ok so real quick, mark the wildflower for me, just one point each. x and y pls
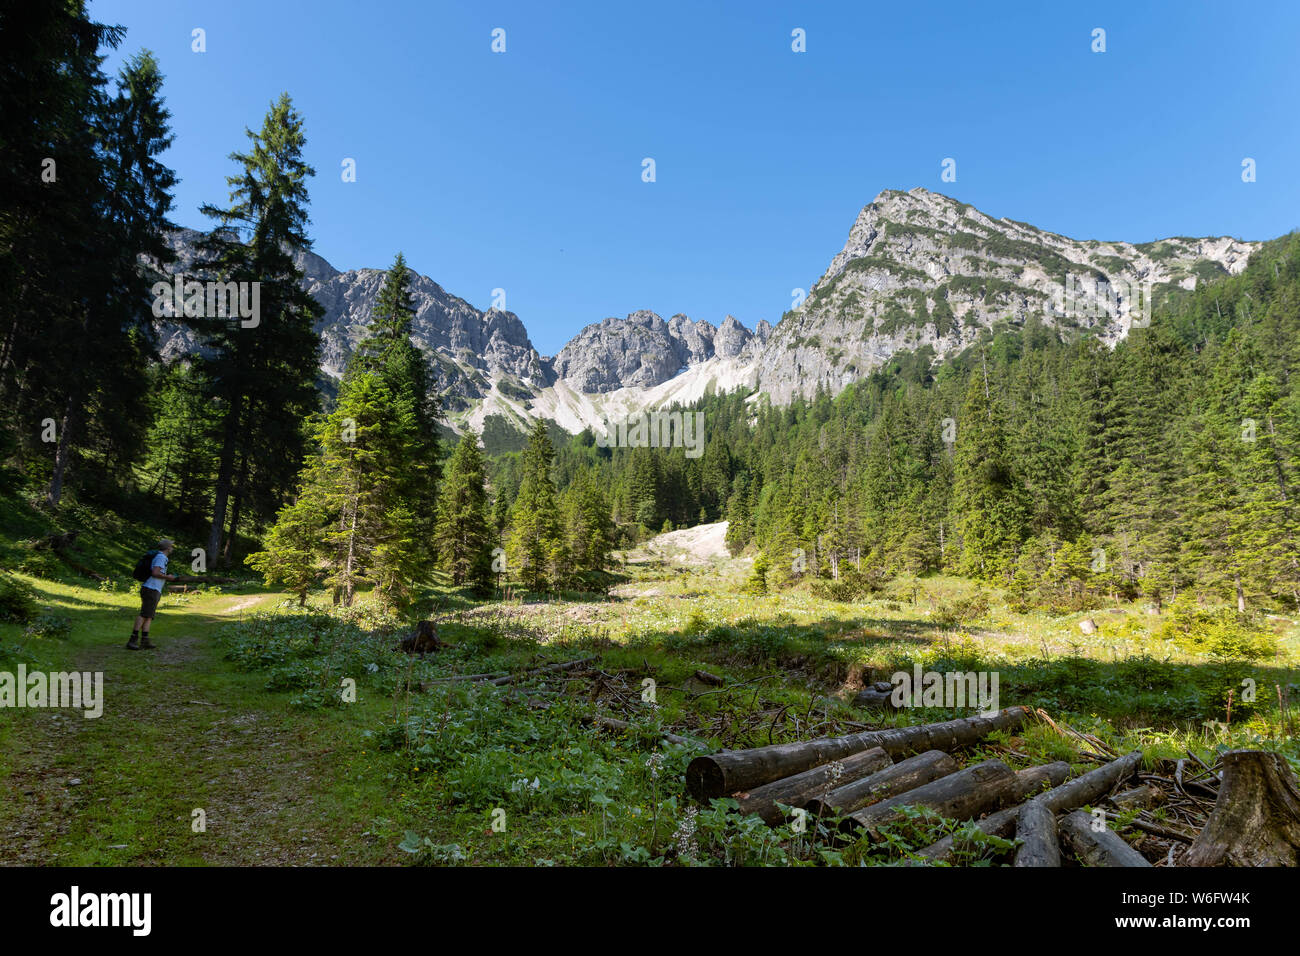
(836, 770)
(685, 835)
(654, 762)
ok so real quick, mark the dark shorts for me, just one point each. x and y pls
(148, 601)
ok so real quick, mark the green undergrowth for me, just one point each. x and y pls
(518, 775)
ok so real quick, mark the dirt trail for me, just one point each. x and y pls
(169, 741)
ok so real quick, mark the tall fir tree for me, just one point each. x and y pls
(535, 520)
(465, 536)
(262, 370)
(988, 506)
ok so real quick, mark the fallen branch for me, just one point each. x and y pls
(546, 669)
(613, 723)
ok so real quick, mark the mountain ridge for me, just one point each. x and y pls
(917, 270)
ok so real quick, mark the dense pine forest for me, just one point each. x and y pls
(1063, 470)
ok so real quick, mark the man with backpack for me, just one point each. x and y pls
(151, 571)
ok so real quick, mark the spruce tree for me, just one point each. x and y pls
(534, 519)
(988, 506)
(465, 535)
(263, 375)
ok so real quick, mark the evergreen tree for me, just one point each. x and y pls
(262, 375)
(989, 508)
(388, 351)
(535, 541)
(465, 536)
(589, 528)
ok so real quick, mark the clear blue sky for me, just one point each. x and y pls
(522, 170)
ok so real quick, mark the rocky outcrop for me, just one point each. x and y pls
(644, 350)
(468, 350)
(922, 270)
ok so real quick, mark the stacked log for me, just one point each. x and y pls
(733, 771)
(1087, 788)
(898, 778)
(862, 783)
(804, 788)
(963, 795)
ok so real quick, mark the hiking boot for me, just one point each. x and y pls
(132, 645)
(146, 644)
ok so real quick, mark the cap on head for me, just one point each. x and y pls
(166, 544)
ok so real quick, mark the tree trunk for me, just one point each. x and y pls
(221, 490)
(1241, 595)
(1086, 788)
(349, 585)
(1256, 818)
(719, 774)
(71, 423)
(802, 789)
(891, 781)
(1098, 847)
(1036, 831)
(236, 508)
(961, 796)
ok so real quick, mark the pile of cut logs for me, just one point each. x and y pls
(860, 782)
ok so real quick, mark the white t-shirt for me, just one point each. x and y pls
(159, 561)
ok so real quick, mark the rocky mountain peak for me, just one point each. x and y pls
(922, 270)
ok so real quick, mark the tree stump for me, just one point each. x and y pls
(1256, 819)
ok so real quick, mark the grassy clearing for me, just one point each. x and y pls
(241, 713)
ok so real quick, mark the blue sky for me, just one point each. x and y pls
(523, 170)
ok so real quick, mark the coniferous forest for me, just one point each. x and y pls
(1021, 592)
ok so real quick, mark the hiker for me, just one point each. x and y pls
(150, 592)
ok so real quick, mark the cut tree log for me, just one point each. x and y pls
(1097, 845)
(1085, 788)
(798, 790)
(731, 771)
(1256, 818)
(901, 777)
(1036, 831)
(1139, 798)
(1032, 780)
(960, 796)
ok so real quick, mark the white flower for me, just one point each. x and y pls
(654, 762)
(685, 835)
